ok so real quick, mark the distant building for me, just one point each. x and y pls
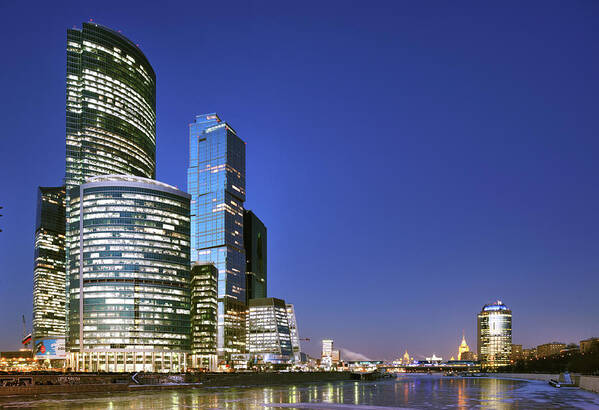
(406, 359)
(434, 359)
(529, 354)
(494, 342)
(468, 356)
(254, 239)
(587, 344)
(295, 342)
(549, 349)
(268, 335)
(517, 353)
(327, 348)
(49, 296)
(335, 356)
(204, 295)
(463, 348)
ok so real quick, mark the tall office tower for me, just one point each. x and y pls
(216, 182)
(49, 266)
(254, 238)
(128, 238)
(295, 342)
(494, 342)
(110, 110)
(268, 334)
(204, 296)
(111, 106)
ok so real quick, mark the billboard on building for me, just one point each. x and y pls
(50, 349)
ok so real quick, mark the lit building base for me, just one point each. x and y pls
(208, 362)
(128, 361)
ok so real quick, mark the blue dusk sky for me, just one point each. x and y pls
(411, 160)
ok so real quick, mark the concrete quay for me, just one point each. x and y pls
(85, 383)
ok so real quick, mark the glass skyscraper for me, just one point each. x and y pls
(494, 327)
(49, 266)
(216, 182)
(128, 239)
(294, 332)
(110, 110)
(111, 106)
(268, 333)
(254, 238)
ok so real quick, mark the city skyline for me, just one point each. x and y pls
(506, 211)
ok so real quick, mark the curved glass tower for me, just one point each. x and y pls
(128, 238)
(111, 106)
(494, 325)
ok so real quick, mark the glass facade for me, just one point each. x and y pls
(216, 182)
(110, 107)
(494, 327)
(204, 295)
(110, 111)
(49, 299)
(268, 333)
(128, 238)
(295, 341)
(254, 238)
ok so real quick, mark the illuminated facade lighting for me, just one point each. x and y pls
(494, 342)
(216, 182)
(295, 341)
(204, 296)
(49, 267)
(110, 112)
(128, 238)
(268, 334)
(110, 108)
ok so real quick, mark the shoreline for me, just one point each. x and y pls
(82, 383)
(588, 383)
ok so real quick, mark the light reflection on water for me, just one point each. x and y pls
(419, 391)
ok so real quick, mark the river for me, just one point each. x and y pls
(414, 392)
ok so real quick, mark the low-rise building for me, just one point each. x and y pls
(586, 345)
(517, 353)
(549, 349)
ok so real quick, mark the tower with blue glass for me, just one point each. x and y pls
(216, 182)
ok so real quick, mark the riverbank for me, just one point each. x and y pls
(89, 383)
(590, 383)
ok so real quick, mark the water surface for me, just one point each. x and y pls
(414, 392)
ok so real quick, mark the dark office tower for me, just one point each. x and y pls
(204, 295)
(129, 284)
(254, 238)
(49, 266)
(111, 106)
(216, 182)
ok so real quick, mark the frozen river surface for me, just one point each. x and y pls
(413, 392)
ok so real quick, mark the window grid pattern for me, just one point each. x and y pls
(135, 269)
